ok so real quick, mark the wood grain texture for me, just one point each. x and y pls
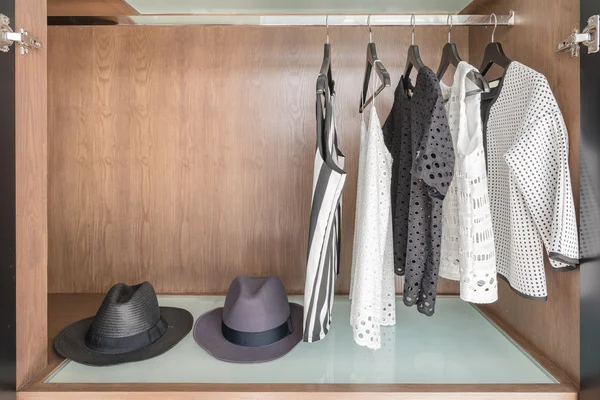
(101, 8)
(552, 326)
(184, 155)
(67, 308)
(31, 194)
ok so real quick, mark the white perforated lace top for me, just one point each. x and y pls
(529, 182)
(467, 252)
(372, 288)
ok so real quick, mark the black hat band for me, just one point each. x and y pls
(257, 339)
(111, 345)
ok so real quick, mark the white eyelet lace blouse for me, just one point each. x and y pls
(372, 287)
(467, 252)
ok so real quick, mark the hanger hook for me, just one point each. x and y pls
(370, 30)
(412, 23)
(449, 22)
(495, 24)
(327, 28)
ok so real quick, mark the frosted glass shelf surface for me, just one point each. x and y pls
(457, 345)
(296, 6)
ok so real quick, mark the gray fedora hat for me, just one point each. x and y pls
(257, 323)
(129, 326)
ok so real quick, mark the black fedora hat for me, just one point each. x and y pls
(257, 323)
(129, 326)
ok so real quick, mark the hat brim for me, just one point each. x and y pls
(207, 333)
(70, 341)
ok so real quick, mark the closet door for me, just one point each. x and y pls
(590, 212)
(7, 213)
(23, 187)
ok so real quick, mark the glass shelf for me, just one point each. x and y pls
(277, 13)
(458, 345)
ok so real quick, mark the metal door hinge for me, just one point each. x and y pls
(21, 38)
(589, 37)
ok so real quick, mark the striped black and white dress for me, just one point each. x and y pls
(322, 264)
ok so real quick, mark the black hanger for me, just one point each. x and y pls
(450, 56)
(373, 61)
(324, 117)
(413, 58)
(325, 78)
(494, 54)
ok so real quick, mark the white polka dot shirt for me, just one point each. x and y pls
(529, 182)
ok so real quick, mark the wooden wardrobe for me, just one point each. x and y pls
(183, 155)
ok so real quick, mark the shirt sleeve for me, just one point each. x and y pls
(434, 160)
(540, 164)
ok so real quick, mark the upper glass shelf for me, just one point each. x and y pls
(267, 12)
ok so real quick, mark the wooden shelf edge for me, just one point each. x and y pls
(299, 388)
(265, 392)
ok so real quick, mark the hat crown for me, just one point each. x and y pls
(127, 311)
(256, 304)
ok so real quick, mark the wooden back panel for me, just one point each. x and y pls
(184, 155)
(551, 326)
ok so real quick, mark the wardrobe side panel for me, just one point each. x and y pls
(184, 155)
(551, 326)
(31, 165)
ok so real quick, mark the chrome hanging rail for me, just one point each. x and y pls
(327, 20)
(393, 20)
